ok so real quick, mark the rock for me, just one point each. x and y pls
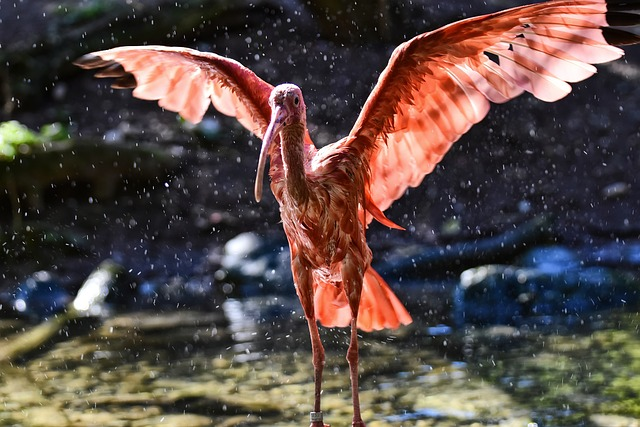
(241, 246)
(101, 283)
(256, 265)
(550, 259)
(491, 294)
(421, 261)
(49, 165)
(198, 292)
(615, 190)
(551, 282)
(88, 302)
(616, 254)
(40, 296)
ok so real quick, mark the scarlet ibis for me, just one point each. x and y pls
(434, 88)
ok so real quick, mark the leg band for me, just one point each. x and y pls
(315, 416)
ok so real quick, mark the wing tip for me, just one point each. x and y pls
(621, 13)
(619, 37)
(107, 68)
(90, 60)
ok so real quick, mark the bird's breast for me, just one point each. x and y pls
(325, 226)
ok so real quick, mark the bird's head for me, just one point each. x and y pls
(287, 110)
(287, 105)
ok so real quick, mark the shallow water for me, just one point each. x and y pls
(195, 368)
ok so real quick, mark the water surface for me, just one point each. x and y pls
(197, 368)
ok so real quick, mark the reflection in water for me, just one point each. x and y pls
(242, 322)
(429, 413)
(194, 368)
(254, 323)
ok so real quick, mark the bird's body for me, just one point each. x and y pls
(435, 87)
(320, 216)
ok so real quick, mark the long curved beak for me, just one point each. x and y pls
(277, 121)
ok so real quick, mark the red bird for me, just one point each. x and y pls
(435, 87)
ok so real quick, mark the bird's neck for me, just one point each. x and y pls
(292, 140)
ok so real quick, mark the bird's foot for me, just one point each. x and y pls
(316, 420)
(358, 423)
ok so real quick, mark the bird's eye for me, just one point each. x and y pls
(296, 100)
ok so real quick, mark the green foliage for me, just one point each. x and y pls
(16, 138)
(13, 136)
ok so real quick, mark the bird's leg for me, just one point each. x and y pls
(304, 289)
(352, 358)
(352, 276)
(318, 366)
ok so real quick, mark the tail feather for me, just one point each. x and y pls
(331, 305)
(379, 307)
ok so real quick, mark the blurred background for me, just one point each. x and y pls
(524, 240)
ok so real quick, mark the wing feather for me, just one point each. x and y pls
(186, 81)
(151, 85)
(176, 97)
(438, 84)
(525, 74)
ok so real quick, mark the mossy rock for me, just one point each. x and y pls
(36, 162)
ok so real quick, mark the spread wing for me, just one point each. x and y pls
(437, 85)
(186, 81)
